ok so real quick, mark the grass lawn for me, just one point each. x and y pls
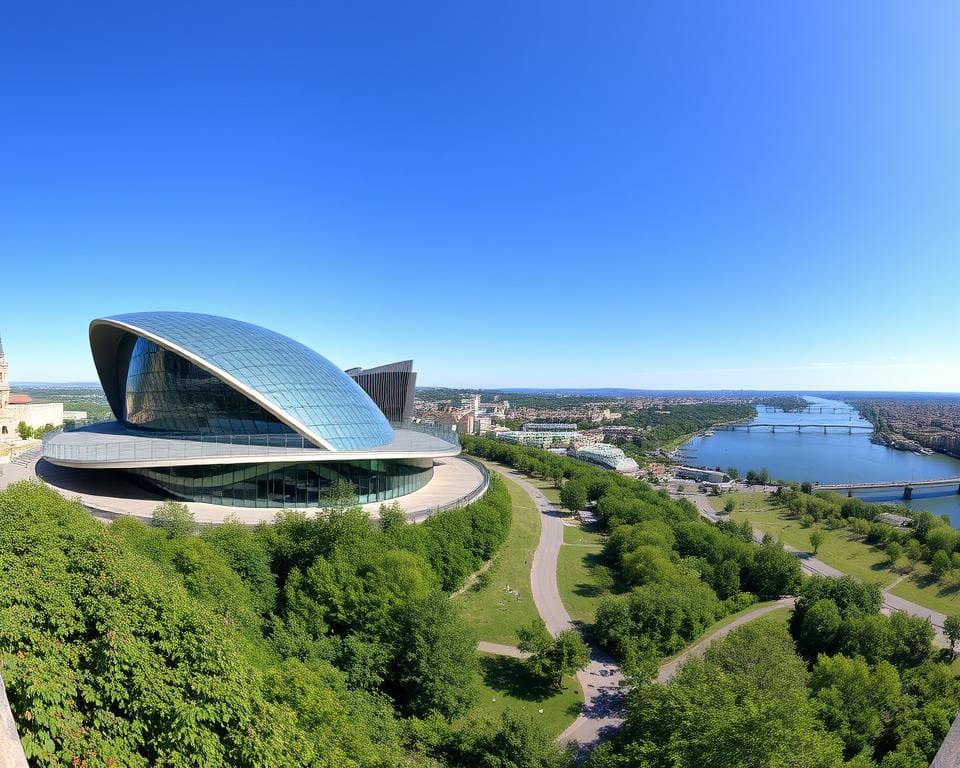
(920, 589)
(504, 682)
(581, 551)
(780, 615)
(847, 552)
(579, 535)
(729, 620)
(841, 549)
(546, 487)
(492, 612)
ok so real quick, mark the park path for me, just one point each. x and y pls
(812, 565)
(670, 668)
(600, 682)
(502, 650)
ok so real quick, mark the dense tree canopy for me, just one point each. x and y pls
(322, 641)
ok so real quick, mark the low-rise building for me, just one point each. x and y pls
(536, 426)
(541, 439)
(709, 476)
(607, 456)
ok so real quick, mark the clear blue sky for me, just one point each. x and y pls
(514, 194)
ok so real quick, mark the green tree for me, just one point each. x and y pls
(175, 518)
(435, 660)
(573, 495)
(24, 430)
(774, 571)
(855, 701)
(515, 741)
(729, 506)
(552, 657)
(816, 539)
(913, 551)
(820, 628)
(745, 704)
(939, 563)
(894, 552)
(951, 627)
(569, 654)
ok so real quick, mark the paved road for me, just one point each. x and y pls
(600, 682)
(670, 668)
(812, 565)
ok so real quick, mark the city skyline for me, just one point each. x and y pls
(642, 197)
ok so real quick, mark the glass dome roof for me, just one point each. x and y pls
(296, 384)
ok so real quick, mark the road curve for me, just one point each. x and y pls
(812, 565)
(600, 682)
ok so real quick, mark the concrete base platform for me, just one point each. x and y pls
(109, 495)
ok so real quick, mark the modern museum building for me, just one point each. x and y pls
(221, 411)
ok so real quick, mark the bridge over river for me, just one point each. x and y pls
(907, 485)
(798, 426)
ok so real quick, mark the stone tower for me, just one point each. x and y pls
(4, 382)
(6, 419)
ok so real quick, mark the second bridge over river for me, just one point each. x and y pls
(908, 485)
(797, 426)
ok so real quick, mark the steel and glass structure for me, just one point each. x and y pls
(221, 411)
(392, 387)
(608, 456)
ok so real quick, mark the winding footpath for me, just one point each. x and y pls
(603, 698)
(813, 566)
(670, 668)
(601, 682)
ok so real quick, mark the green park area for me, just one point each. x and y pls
(580, 554)
(506, 682)
(843, 549)
(846, 551)
(493, 612)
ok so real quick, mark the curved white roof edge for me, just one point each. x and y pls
(294, 457)
(221, 374)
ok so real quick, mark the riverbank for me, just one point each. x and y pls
(831, 456)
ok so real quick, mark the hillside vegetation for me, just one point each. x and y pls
(326, 641)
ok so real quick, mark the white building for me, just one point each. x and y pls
(546, 439)
(608, 456)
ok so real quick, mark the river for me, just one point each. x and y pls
(832, 457)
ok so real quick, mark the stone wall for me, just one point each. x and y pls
(36, 414)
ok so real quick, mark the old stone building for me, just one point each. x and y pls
(17, 408)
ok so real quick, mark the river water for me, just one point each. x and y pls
(837, 456)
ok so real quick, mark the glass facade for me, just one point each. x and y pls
(285, 485)
(293, 378)
(167, 392)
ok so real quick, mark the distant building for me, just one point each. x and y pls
(898, 521)
(540, 439)
(710, 476)
(465, 424)
(482, 425)
(608, 456)
(471, 402)
(17, 408)
(498, 410)
(535, 426)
